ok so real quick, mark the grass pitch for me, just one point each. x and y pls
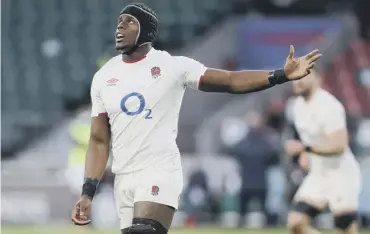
(84, 230)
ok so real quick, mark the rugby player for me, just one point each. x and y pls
(334, 178)
(136, 98)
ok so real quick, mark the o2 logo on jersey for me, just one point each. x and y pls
(141, 108)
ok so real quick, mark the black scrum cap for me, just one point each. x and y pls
(148, 23)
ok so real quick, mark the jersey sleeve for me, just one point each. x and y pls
(191, 71)
(334, 118)
(97, 104)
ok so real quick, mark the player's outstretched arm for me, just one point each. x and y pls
(241, 82)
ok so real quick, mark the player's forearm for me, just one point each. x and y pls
(328, 149)
(240, 82)
(96, 159)
(249, 81)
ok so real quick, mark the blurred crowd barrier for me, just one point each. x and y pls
(215, 192)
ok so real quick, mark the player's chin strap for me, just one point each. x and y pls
(134, 48)
(131, 50)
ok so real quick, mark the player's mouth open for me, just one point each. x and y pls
(119, 37)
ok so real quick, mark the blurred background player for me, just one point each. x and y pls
(255, 153)
(138, 108)
(334, 178)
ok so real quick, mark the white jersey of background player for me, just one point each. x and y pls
(136, 100)
(334, 178)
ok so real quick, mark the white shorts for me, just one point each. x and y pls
(146, 185)
(338, 192)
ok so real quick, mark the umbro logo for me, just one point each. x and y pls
(112, 82)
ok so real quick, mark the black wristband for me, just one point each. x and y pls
(308, 149)
(277, 77)
(89, 187)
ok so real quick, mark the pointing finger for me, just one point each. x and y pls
(312, 54)
(315, 57)
(291, 52)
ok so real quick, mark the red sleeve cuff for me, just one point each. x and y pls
(200, 82)
(103, 114)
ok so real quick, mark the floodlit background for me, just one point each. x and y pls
(235, 171)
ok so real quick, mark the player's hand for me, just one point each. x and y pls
(294, 147)
(304, 161)
(297, 68)
(81, 211)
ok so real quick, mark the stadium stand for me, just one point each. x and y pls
(344, 78)
(42, 76)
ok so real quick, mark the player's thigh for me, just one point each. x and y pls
(125, 218)
(302, 213)
(312, 192)
(307, 204)
(344, 194)
(124, 199)
(160, 213)
(344, 202)
(157, 198)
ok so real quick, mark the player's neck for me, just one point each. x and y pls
(307, 97)
(139, 54)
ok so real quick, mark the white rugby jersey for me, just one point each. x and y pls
(321, 115)
(142, 100)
